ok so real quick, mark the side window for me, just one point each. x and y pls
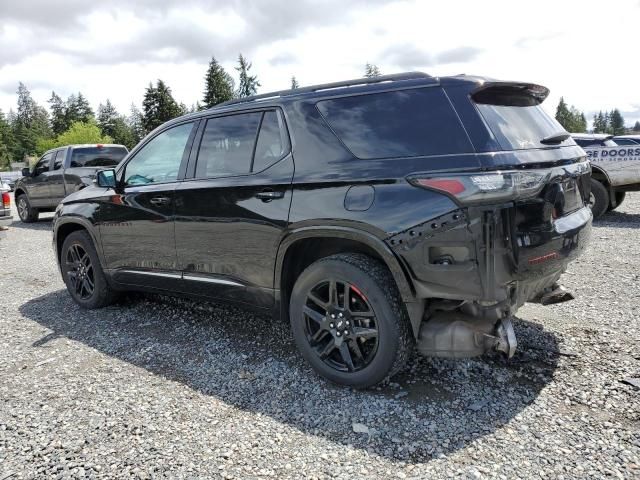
(42, 165)
(159, 160)
(227, 145)
(403, 123)
(271, 142)
(59, 160)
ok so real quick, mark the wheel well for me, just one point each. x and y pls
(17, 193)
(304, 252)
(63, 232)
(600, 176)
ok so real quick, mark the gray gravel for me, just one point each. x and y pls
(156, 387)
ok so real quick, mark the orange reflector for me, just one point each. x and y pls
(544, 258)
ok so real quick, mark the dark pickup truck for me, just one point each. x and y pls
(60, 172)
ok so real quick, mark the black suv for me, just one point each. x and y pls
(375, 214)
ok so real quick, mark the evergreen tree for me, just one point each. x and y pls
(58, 114)
(107, 116)
(158, 106)
(218, 85)
(136, 124)
(294, 83)
(31, 122)
(616, 122)
(636, 126)
(371, 70)
(563, 115)
(7, 142)
(248, 83)
(85, 113)
(599, 124)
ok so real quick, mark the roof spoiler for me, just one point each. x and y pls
(510, 94)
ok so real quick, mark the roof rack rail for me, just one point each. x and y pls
(327, 86)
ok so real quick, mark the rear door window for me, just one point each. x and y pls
(97, 156)
(227, 145)
(404, 123)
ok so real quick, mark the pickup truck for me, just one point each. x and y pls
(60, 172)
(615, 170)
(5, 210)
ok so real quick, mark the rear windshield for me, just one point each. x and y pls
(405, 123)
(97, 156)
(520, 128)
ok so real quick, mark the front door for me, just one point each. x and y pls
(56, 177)
(230, 217)
(137, 225)
(38, 184)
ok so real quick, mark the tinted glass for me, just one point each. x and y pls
(43, 164)
(159, 160)
(59, 160)
(521, 128)
(227, 145)
(405, 123)
(270, 146)
(97, 156)
(624, 141)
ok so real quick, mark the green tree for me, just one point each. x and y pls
(616, 122)
(158, 106)
(58, 109)
(636, 126)
(570, 118)
(30, 123)
(114, 125)
(78, 132)
(294, 83)
(248, 83)
(218, 85)
(599, 123)
(7, 142)
(136, 124)
(371, 70)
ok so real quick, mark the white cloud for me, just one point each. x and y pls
(113, 50)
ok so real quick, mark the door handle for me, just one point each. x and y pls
(158, 201)
(268, 195)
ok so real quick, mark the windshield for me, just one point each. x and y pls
(520, 128)
(97, 156)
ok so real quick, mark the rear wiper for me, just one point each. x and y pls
(555, 138)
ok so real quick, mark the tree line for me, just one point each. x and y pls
(32, 129)
(574, 120)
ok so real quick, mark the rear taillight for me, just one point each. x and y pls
(6, 200)
(483, 187)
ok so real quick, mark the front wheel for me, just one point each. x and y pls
(26, 212)
(599, 199)
(349, 322)
(82, 272)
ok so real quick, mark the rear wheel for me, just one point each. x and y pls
(599, 199)
(82, 272)
(26, 212)
(349, 322)
(620, 196)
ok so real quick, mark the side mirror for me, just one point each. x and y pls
(106, 178)
(26, 172)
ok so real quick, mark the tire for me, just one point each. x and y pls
(620, 196)
(101, 293)
(26, 212)
(599, 201)
(369, 290)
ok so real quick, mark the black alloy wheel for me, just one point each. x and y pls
(340, 325)
(80, 272)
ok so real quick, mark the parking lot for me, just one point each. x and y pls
(157, 387)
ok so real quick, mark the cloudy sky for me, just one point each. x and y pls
(583, 50)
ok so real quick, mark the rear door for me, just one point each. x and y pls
(137, 224)
(230, 216)
(38, 184)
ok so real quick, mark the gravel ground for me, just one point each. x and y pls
(155, 387)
